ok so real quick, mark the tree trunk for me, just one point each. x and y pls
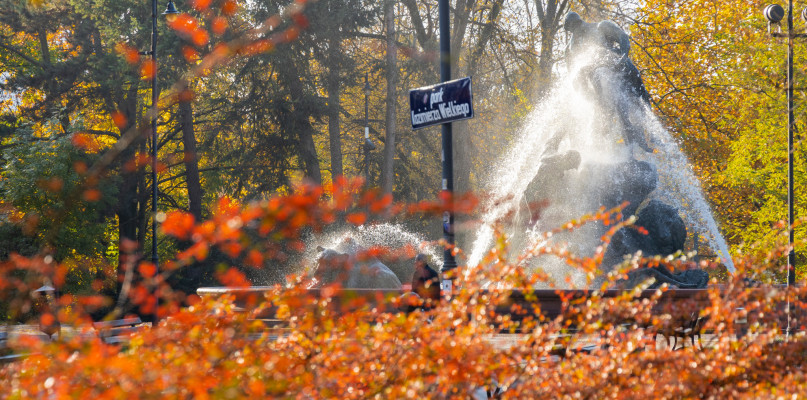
(549, 17)
(191, 161)
(464, 151)
(127, 204)
(299, 123)
(333, 110)
(387, 169)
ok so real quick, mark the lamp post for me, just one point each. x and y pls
(774, 13)
(367, 144)
(170, 13)
(449, 262)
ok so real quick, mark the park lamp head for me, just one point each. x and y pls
(368, 144)
(774, 14)
(171, 11)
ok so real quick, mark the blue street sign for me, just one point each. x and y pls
(441, 103)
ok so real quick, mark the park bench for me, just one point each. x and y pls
(680, 306)
(118, 331)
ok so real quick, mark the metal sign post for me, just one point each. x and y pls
(449, 263)
(442, 104)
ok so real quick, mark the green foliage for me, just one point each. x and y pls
(41, 185)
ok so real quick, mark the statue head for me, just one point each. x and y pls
(572, 21)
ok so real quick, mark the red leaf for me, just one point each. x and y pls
(178, 224)
(147, 269)
(357, 218)
(229, 7)
(119, 119)
(219, 25)
(91, 195)
(200, 4)
(147, 69)
(234, 278)
(200, 37)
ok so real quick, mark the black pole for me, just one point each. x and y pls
(365, 144)
(154, 98)
(449, 263)
(791, 257)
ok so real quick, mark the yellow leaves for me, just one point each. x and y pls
(86, 141)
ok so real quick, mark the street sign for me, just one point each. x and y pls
(445, 102)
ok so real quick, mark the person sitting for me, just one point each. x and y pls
(425, 280)
(425, 287)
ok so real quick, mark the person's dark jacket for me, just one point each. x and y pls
(426, 281)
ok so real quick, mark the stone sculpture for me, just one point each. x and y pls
(658, 229)
(352, 273)
(613, 62)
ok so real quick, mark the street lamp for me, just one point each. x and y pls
(170, 14)
(775, 13)
(368, 144)
(447, 139)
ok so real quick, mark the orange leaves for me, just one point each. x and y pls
(228, 7)
(91, 195)
(258, 47)
(200, 5)
(86, 142)
(129, 53)
(200, 37)
(198, 251)
(147, 270)
(53, 184)
(119, 119)
(147, 69)
(219, 25)
(226, 208)
(178, 224)
(343, 191)
(190, 28)
(47, 319)
(233, 278)
(376, 201)
(300, 20)
(80, 167)
(356, 218)
(254, 258)
(184, 24)
(190, 54)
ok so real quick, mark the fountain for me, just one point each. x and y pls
(584, 147)
(394, 237)
(592, 141)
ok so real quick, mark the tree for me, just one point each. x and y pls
(716, 77)
(45, 45)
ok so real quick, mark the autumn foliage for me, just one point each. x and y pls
(494, 335)
(328, 343)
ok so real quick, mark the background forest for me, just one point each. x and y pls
(73, 85)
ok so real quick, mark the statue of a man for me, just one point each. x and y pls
(607, 35)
